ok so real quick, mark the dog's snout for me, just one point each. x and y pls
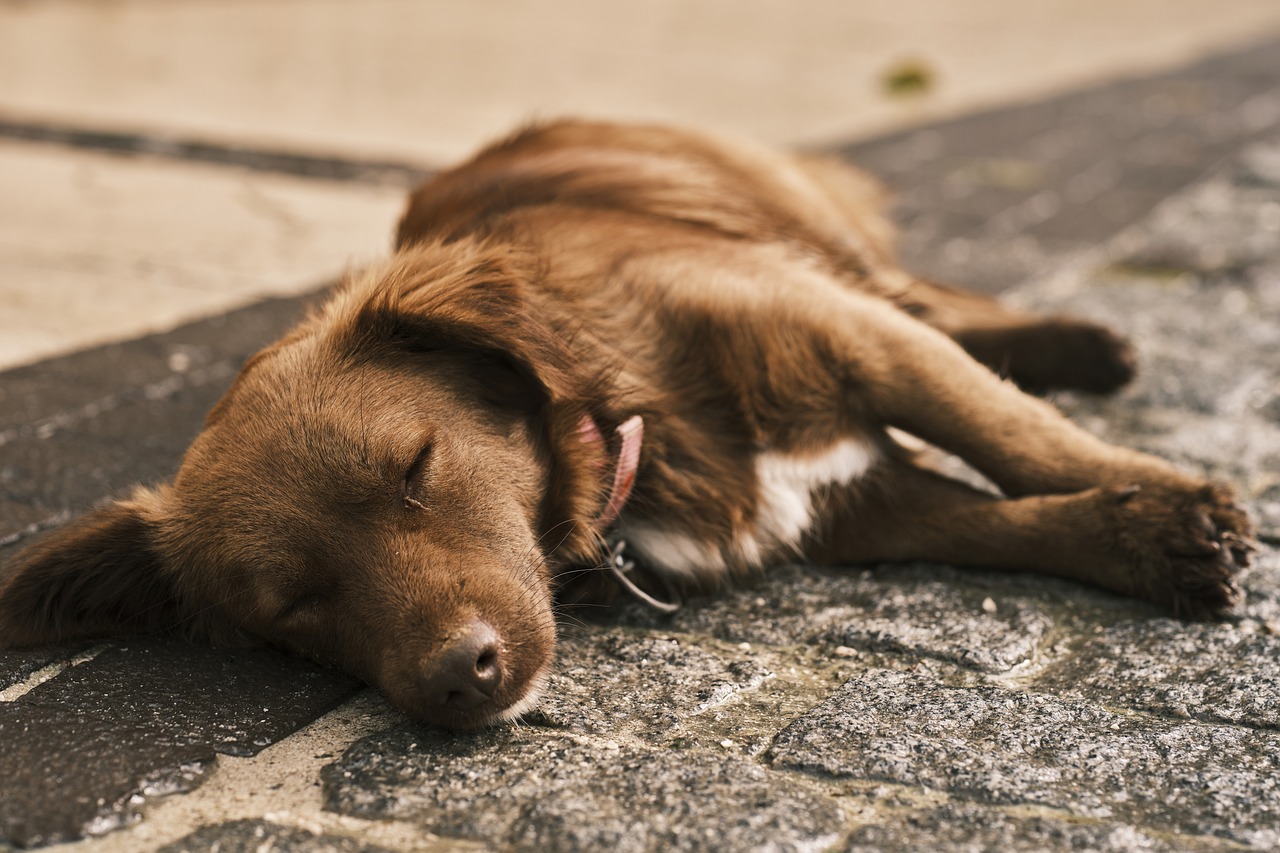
(467, 672)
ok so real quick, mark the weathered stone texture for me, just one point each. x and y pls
(260, 836)
(611, 682)
(1218, 672)
(20, 664)
(986, 621)
(961, 827)
(1004, 747)
(143, 719)
(525, 789)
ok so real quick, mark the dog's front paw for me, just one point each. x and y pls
(1185, 545)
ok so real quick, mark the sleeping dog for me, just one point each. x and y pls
(593, 334)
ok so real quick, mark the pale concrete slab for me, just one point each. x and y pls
(432, 80)
(96, 248)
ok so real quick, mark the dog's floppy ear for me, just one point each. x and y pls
(466, 297)
(100, 575)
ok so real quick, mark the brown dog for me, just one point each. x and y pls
(402, 483)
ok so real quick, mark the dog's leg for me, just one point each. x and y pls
(1110, 536)
(908, 375)
(1038, 353)
(905, 374)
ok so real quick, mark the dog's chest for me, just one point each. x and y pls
(785, 510)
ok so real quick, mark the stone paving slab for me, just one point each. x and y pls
(144, 719)
(45, 800)
(260, 836)
(996, 198)
(1220, 673)
(133, 680)
(527, 790)
(1000, 746)
(965, 827)
(18, 665)
(666, 680)
(985, 621)
(125, 246)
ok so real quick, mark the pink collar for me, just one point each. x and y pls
(630, 436)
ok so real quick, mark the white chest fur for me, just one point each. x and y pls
(784, 513)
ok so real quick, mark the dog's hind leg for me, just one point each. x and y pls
(1109, 536)
(1038, 353)
(906, 374)
(903, 373)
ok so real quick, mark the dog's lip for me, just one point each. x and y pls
(530, 700)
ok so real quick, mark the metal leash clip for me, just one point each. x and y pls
(621, 568)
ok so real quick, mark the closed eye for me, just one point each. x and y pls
(414, 478)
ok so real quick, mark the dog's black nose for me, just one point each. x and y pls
(467, 671)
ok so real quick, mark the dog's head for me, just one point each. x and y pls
(386, 488)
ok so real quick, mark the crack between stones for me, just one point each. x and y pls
(162, 146)
(285, 775)
(49, 672)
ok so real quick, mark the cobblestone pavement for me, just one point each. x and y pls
(891, 708)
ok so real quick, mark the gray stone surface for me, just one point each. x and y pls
(665, 680)
(1228, 673)
(963, 827)
(260, 836)
(921, 610)
(993, 199)
(16, 666)
(84, 751)
(237, 701)
(1011, 748)
(525, 789)
(66, 772)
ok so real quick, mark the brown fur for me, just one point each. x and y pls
(407, 464)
